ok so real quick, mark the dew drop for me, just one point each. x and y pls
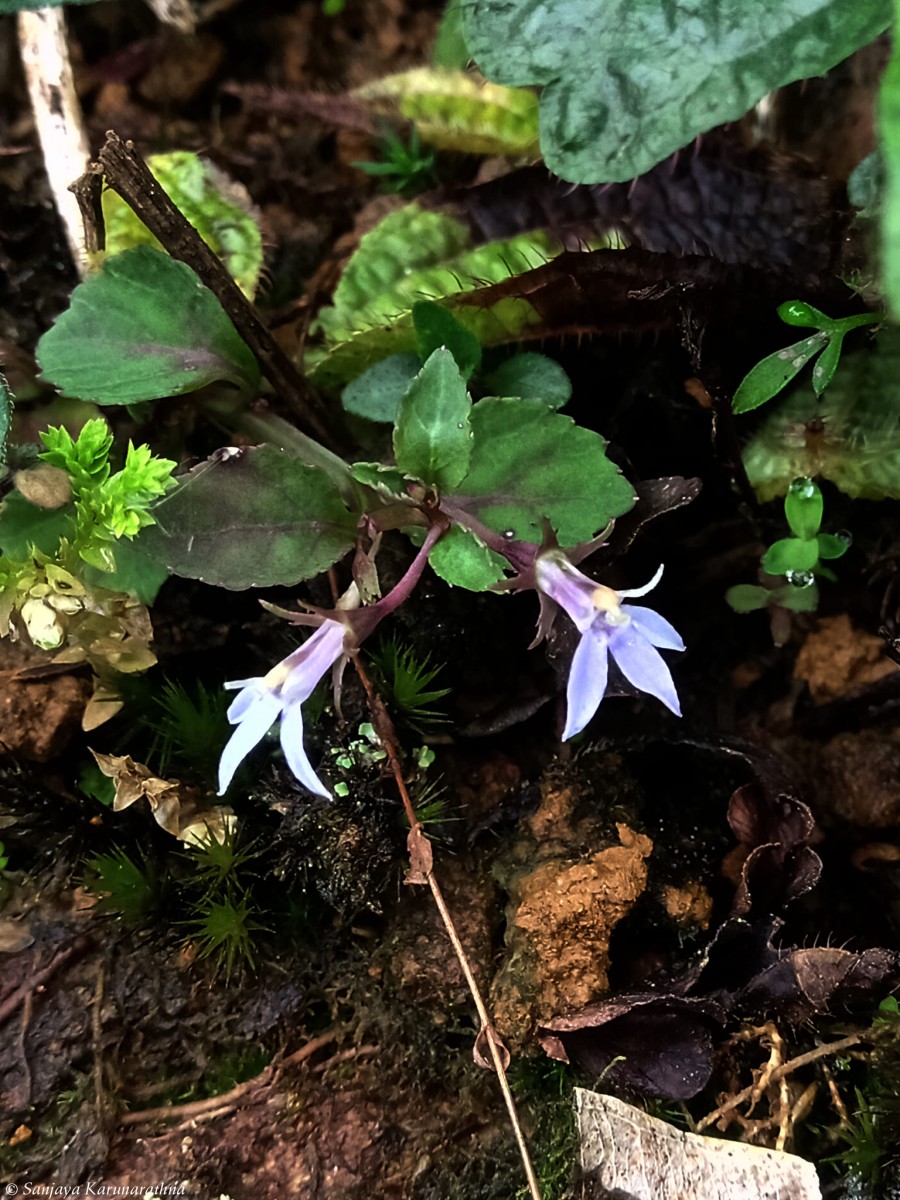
(509, 534)
(803, 487)
(800, 579)
(845, 536)
(460, 424)
(798, 361)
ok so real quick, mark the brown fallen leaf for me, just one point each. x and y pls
(420, 857)
(182, 811)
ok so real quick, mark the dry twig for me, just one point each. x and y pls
(231, 1099)
(421, 872)
(128, 175)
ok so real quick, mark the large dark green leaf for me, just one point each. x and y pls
(628, 82)
(251, 518)
(142, 328)
(530, 464)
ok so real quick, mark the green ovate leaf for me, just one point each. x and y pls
(747, 597)
(772, 374)
(251, 518)
(142, 328)
(458, 110)
(797, 599)
(851, 436)
(387, 481)
(626, 84)
(461, 560)
(376, 394)
(530, 464)
(436, 327)
(803, 507)
(450, 49)
(791, 554)
(433, 435)
(531, 376)
(803, 315)
(24, 525)
(889, 130)
(832, 546)
(218, 208)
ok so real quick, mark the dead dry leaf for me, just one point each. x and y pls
(182, 811)
(626, 1152)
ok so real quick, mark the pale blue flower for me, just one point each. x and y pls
(282, 693)
(631, 634)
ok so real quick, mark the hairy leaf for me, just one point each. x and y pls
(6, 409)
(850, 436)
(218, 208)
(530, 464)
(433, 435)
(456, 110)
(142, 328)
(628, 83)
(251, 518)
(413, 256)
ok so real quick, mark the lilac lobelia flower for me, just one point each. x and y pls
(282, 692)
(285, 689)
(631, 634)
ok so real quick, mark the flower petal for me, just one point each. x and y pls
(643, 666)
(654, 628)
(568, 587)
(587, 682)
(254, 722)
(251, 691)
(295, 755)
(312, 660)
(648, 587)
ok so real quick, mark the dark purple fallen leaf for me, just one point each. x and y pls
(656, 1045)
(655, 498)
(780, 865)
(820, 979)
(719, 199)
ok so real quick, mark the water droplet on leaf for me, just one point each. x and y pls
(800, 579)
(803, 487)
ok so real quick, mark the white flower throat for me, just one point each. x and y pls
(606, 601)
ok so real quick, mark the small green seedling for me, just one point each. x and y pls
(773, 374)
(799, 559)
(404, 168)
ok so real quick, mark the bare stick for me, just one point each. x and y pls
(129, 176)
(57, 115)
(197, 1108)
(420, 857)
